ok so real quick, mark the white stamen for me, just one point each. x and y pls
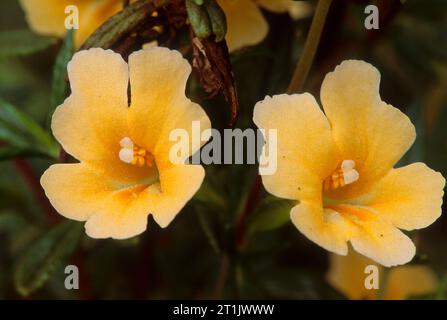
(347, 165)
(350, 176)
(126, 142)
(126, 155)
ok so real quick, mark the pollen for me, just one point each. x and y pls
(132, 154)
(344, 174)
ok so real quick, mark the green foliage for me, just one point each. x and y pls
(207, 18)
(11, 223)
(59, 84)
(121, 25)
(441, 293)
(273, 213)
(208, 229)
(200, 21)
(23, 134)
(45, 256)
(22, 42)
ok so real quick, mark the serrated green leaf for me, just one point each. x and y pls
(272, 214)
(45, 256)
(22, 42)
(22, 132)
(199, 19)
(59, 87)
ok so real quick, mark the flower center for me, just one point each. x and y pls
(344, 174)
(135, 155)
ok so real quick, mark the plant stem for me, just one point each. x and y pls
(32, 180)
(250, 205)
(221, 277)
(310, 48)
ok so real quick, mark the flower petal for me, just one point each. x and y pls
(305, 149)
(48, 16)
(411, 280)
(93, 118)
(372, 133)
(123, 215)
(76, 191)
(92, 121)
(347, 275)
(93, 16)
(158, 105)
(179, 183)
(409, 197)
(376, 238)
(246, 26)
(296, 9)
(326, 228)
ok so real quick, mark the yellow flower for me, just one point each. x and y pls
(247, 26)
(339, 165)
(124, 171)
(347, 274)
(47, 17)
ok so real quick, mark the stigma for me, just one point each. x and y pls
(345, 174)
(132, 154)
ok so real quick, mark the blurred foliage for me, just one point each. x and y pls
(198, 256)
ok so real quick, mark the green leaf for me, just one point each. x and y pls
(217, 19)
(441, 292)
(19, 130)
(199, 19)
(45, 256)
(209, 195)
(208, 230)
(272, 214)
(59, 84)
(22, 42)
(123, 24)
(8, 152)
(11, 222)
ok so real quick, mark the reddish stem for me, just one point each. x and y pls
(250, 205)
(221, 277)
(33, 183)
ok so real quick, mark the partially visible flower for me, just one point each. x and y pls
(246, 24)
(124, 172)
(47, 17)
(339, 166)
(347, 275)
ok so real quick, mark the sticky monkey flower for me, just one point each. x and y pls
(47, 17)
(339, 166)
(347, 275)
(247, 26)
(124, 172)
